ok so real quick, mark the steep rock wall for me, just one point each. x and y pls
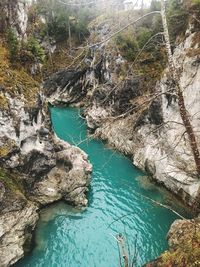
(36, 167)
(47, 168)
(14, 15)
(169, 153)
(156, 137)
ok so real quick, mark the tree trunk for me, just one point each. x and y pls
(124, 254)
(69, 33)
(181, 103)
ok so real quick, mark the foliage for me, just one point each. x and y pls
(16, 81)
(58, 18)
(80, 30)
(143, 36)
(58, 27)
(157, 24)
(36, 24)
(177, 18)
(196, 2)
(35, 49)
(127, 45)
(13, 44)
(155, 5)
(186, 253)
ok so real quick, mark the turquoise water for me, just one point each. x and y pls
(68, 237)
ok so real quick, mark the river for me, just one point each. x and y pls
(71, 237)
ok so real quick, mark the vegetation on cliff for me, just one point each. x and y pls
(15, 80)
(12, 182)
(63, 36)
(184, 239)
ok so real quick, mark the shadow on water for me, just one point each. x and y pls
(70, 237)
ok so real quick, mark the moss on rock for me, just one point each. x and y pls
(12, 182)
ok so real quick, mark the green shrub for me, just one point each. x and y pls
(143, 36)
(79, 29)
(155, 5)
(13, 44)
(58, 27)
(127, 45)
(35, 49)
(177, 16)
(157, 24)
(196, 2)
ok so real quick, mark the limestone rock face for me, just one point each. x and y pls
(48, 170)
(15, 12)
(39, 169)
(66, 87)
(68, 180)
(156, 138)
(95, 116)
(16, 228)
(168, 150)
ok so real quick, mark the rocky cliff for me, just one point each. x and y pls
(14, 14)
(147, 128)
(36, 168)
(155, 136)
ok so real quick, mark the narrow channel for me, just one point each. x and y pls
(69, 237)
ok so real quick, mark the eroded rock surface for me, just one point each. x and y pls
(36, 169)
(154, 134)
(18, 218)
(14, 14)
(67, 180)
(16, 229)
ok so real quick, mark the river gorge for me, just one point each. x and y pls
(99, 133)
(118, 203)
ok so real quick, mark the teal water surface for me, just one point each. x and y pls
(68, 237)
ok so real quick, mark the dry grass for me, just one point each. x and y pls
(187, 251)
(16, 81)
